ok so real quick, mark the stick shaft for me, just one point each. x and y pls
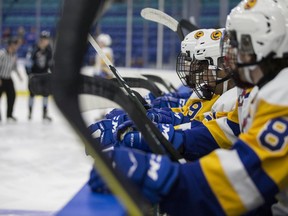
(99, 50)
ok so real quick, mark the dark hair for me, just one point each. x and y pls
(271, 67)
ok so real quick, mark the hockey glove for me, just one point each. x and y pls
(149, 98)
(105, 129)
(168, 101)
(185, 94)
(96, 183)
(166, 116)
(113, 113)
(154, 174)
(128, 136)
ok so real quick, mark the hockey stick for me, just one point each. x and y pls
(135, 82)
(158, 79)
(158, 16)
(71, 44)
(156, 137)
(164, 19)
(119, 78)
(188, 25)
(40, 84)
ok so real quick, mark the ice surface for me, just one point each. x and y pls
(42, 165)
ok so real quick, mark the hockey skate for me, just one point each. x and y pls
(11, 119)
(46, 118)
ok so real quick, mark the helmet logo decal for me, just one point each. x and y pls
(216, 35)
(198, 34)
(249, 4)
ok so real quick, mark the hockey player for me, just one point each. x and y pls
(204, 42)
(200, 67)
(101, 69)
(253, 172)
(40, 62)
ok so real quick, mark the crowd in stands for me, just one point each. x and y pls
(27, 37)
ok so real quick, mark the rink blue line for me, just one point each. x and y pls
(8, 212)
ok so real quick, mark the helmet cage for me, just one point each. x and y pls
(200, 75)
(183, 68)
(204, 81)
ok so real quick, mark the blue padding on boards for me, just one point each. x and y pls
(86, 203)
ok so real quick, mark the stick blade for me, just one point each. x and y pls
(160, 17)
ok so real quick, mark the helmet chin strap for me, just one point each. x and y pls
(247, 67)
(224, 80)
(225, 86)
(247, 73)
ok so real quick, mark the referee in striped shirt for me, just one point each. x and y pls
(8, 64)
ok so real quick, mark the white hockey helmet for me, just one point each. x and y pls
(186, 55)
(105, 39)
(258, 28)
(189, 42)
(208, 46)
(207, 68)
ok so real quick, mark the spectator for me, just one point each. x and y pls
(30, 37)
(6, 34)
(21, 34)
(8, 63)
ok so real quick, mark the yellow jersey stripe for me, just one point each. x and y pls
(217, 129)
(220, 185)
